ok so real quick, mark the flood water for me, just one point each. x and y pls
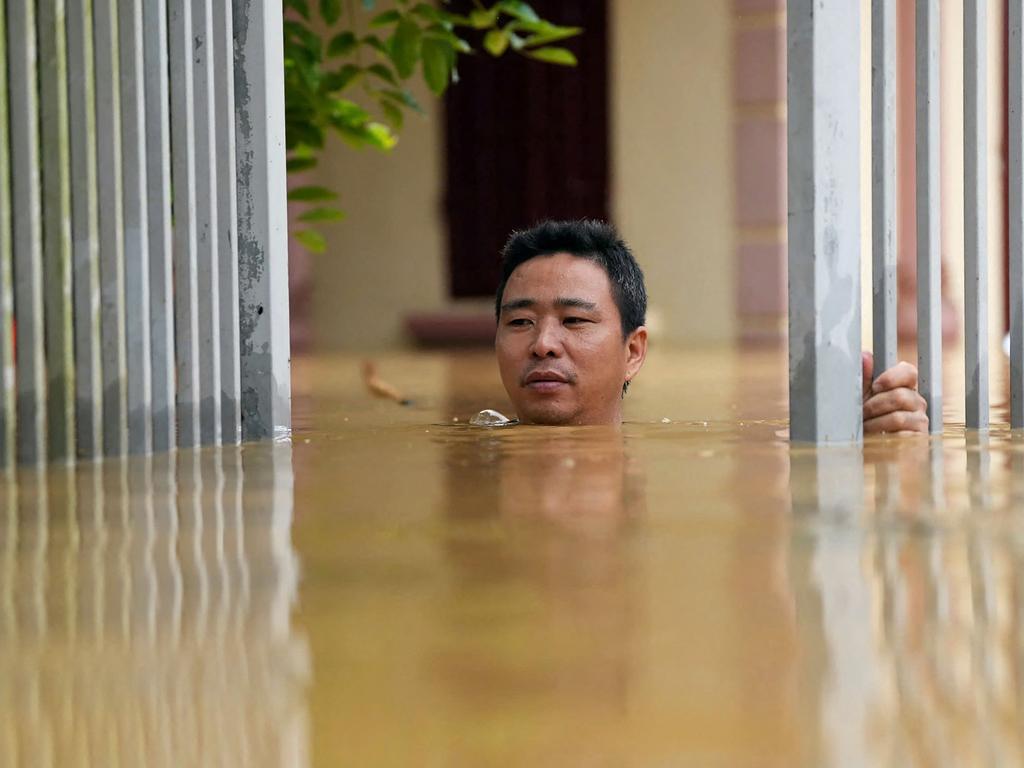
(394, 587)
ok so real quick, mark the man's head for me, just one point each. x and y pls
(570, 306)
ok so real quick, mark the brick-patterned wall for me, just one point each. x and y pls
(760, 175)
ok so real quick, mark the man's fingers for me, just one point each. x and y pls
(898, 421)
(902, 399)
(903, 374)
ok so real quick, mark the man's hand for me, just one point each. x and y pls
(891, 402)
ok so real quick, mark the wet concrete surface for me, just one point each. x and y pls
(394, 587)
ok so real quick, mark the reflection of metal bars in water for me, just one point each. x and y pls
(169, 666)
(103, 105)
(824, 226)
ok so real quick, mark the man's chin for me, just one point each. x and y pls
(547, 414)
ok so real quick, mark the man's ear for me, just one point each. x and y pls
(636, 351)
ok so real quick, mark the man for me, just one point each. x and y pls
(571, 307)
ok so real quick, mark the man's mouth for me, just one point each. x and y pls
(546, 381)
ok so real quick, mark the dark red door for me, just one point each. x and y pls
(525, 141)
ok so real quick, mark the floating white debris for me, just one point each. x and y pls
(666, 420)
(489, 418)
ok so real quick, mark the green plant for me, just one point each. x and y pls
(346, 70)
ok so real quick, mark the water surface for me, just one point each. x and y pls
(397, 588)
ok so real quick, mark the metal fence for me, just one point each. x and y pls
(824, 212)
(143, 226)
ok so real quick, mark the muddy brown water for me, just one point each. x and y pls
(394, 587)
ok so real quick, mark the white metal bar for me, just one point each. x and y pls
(976, 214)
(60, 358)
(183, 179)
(824, 221)
(158, 175)
(929, 255)
(262, 219)
(7, 382)
(136, 227)
(1015, 139)
(227, 222)
(27, 231)
(207, 235)
(84, 230)
(111, 222)
(883, 182)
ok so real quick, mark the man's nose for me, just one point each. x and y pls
(548, 341)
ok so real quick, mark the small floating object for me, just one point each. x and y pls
(489, 418)
(666, 420)
(379, 387)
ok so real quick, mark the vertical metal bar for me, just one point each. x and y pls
(227, 222)
(27, 231)
(262, 219)
(976, 213)
(84, 230)
(1015, 139)
(183, 179)
(136, 230)
(158, 175)
(60, 356)
(7, 383)
(206, 222)
(883, 182)
(824, 221)
(108, 163)
(929, 255)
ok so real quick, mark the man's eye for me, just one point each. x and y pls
(575, 320)
(519, 322)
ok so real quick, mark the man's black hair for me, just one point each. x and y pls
(588, 239)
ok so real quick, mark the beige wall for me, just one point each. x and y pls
(672, 137)
(672, 196)
(387, 258)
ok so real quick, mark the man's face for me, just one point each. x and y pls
(559, 343)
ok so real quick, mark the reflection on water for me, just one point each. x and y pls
(917, 603)
(690, 591)
(145, 614)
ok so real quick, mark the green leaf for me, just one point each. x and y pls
(323, 214)
(405, 47)
(380, 136)
(495, 42)
(483, 19)
(348, 112)
(330, 10)
(336, 82)
(438, 58)
(342, 44)
(438, 32)
(518, 9)
(404, 98)
(552, 35)
(310, 194)
(311, 240)
(383, 72)
(299, 6)
(385, 19)
(431, 14)
(372, 41)
(296, 164)
(392, 114)
(561, 56)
